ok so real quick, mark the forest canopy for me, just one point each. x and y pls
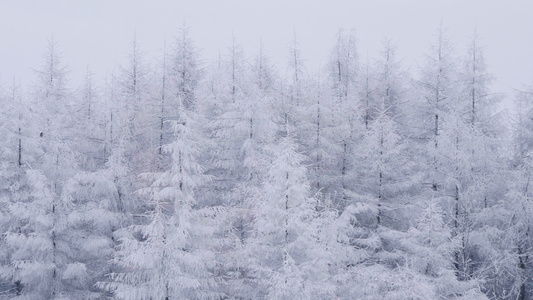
(184, 178)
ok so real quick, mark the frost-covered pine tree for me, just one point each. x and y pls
(13, 185)
(473, 164)
(37, 235)
(298, 96)
(291, 258)
(53, 101)
(438, 94)
(90, 115)
(170, 256)
(36, 251)
(230, 128)
(93, 216)
(185, 69)
(383, 175)
(429, 248)
(318, 138)
(249, 124)
(343, 103)
(224, 95)
(507, 230)
(180, 73)
(135, 112)
(515, 260)
(258, 118)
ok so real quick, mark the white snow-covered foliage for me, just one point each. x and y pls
(169, 257)
(237, 179)
(33, 241)
(291, 256)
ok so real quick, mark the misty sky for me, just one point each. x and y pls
(99, 32)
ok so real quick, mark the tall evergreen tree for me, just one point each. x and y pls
(37, 237)
(170, 256)
(293, 260)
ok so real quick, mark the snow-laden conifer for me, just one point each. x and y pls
(169, 256)
(292, 258)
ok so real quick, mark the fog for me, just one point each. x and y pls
(99, 33)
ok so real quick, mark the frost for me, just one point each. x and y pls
(179, 177)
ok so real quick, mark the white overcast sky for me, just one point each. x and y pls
(99, 32)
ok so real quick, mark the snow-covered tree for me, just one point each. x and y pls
(90, 122)
(429, 248)
(93, 216)
(37, 237)
(13, 154)
(37, 251)
(185, 68)
(170, 256)
(293, 260)
(344, 106)
(356, 182)
(382, 155)
(438, 96)
(297, 73)
(343, 65)
(135, 112)
(473, 163)
(510, 220)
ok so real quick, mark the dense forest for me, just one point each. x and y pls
(182, 178)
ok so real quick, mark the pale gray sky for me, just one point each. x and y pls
(99, 32)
